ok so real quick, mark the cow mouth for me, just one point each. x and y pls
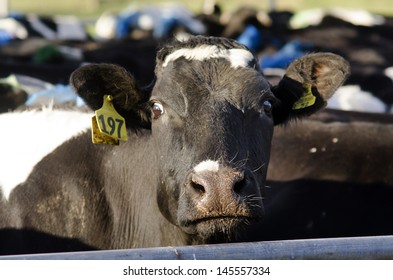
(227, 218)
(217, 229)
(223, 223)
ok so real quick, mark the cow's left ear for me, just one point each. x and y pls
(307, 85)
(93, 81)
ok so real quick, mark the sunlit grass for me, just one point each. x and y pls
(96, 7)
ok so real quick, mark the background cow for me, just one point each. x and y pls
(194, 168)
(337, 145)
(336, 179)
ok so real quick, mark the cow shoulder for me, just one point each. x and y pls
(31, 135)
(66, 184)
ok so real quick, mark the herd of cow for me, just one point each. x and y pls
(201, 163)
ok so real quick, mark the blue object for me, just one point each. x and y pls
(125, 23)
(58, 94)
(285, 55)
(251, 38)
(5, 37)
(164, 27)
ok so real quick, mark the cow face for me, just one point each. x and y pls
(211, 115)
(211, 109)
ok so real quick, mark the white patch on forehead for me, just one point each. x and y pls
(237, 57)
(240, 58)
(26, 137)
(207, 165)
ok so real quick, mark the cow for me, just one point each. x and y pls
(336, 180)
(322, 208)
(353, 147)
(137, 56)
(194, 167)
(10, 97)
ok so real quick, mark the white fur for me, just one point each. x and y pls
(315, 16)
(105, 27)
(352, 98)
(389, 72)
(207, 165)
(237, 57)
(26, 137)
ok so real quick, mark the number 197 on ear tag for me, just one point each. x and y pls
(110, 122)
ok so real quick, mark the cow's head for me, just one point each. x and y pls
(211, 115)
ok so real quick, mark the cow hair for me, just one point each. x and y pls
(196, 41)
(293, 91)
(323, 73)
(129, 99)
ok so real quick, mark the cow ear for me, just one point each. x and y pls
(93, 81)
(307, 85)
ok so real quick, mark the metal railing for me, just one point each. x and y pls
(373, 247)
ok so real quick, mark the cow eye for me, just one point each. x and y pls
(157, 109)
(267, 106)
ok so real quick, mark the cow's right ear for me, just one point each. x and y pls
(93, 81)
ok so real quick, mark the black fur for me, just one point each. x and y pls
(288, 91)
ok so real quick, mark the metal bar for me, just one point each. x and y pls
(374, 247)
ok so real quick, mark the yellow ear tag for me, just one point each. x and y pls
(307, 99)
(97, 137)
(108, 126)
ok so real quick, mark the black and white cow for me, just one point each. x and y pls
(194, 168)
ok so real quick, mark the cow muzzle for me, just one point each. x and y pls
(219, 201)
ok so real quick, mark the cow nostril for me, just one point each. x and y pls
(200, 189)
(239, 186)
